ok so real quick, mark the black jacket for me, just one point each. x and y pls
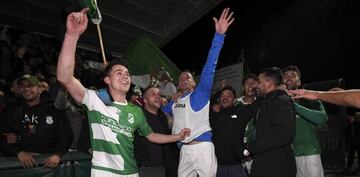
(143, 149)
(40, 128)
(228, 127)
(275, 129)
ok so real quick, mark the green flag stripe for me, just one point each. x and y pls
(143, 57)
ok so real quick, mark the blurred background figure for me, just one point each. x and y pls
(353, 140)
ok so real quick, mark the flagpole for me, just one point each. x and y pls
(101, 43)
(100, 38)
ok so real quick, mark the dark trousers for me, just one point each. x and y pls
(152, 171)
(353, 147)
(230, 171)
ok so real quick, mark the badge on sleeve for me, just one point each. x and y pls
(49, 120)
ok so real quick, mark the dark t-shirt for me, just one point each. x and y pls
(156, 154)
(151, 154)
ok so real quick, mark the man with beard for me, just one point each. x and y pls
(274, 118)
(228, 126)
(32, 125)
(153, 159)
(112, 127)
(309, 114)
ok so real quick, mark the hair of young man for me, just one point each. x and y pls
(110, 66)
(274, 74)
(292, 68)
(228, 87)
(249, 76)
(146, 90)
(187, 71)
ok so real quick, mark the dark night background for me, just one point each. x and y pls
(319, 36)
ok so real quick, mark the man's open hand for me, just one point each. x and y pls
(225, 20)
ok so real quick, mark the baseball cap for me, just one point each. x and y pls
(32, 79)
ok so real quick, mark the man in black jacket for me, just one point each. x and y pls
(33, 126)
(274, 118)
(228, 127)
(158, 160)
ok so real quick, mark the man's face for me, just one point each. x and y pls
(152, 98)
(118, 79)
(291, 80)
(262, 85)
(28, 91)
(250, 86)
(227, 98)
(186, 81)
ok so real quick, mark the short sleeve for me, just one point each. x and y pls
(144, 129)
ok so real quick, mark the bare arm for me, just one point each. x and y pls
(161, 138)
(76, 24)
(349, 98)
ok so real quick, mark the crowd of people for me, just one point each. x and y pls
(269, 131)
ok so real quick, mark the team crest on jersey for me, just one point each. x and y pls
(118, 111)
(130, 118)
(49, 120)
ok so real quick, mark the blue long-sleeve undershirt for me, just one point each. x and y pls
(201, 95)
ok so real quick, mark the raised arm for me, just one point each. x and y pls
(76, 24)
(225, 20)
(202, 92)
(349, 98)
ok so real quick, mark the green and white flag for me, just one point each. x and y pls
(149, 66)
(94, 12)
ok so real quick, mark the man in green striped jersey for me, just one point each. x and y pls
(112, 127)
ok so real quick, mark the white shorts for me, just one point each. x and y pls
(197, 159)
(102, 173)
(309, 166)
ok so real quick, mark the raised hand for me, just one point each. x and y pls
(225, 20)
(76, 22)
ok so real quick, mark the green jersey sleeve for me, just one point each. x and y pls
(144, 129)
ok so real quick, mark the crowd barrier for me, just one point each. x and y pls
(333, 149)
(73, 164)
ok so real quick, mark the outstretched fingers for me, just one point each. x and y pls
(223, 14)
(228, 18)
(231, 21)
(215, 20)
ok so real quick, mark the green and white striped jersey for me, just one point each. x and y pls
(112, 133)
